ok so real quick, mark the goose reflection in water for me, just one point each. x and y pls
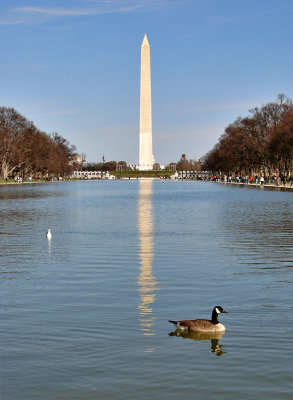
(214, 337)
(147, 283)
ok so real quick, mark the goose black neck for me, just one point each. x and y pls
(215, 317)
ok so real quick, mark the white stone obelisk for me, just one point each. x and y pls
(146, 158)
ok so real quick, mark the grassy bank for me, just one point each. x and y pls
(117, 174)
(142, 174)
(7, 181)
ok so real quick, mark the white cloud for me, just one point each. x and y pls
(28, 14)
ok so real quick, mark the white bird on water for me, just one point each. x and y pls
(49, 234)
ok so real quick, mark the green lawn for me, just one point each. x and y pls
(142, 174)
(8, 181)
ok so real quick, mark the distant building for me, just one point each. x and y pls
(87, 175)
(79, 159)
(92, 175)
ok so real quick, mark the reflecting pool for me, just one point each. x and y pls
(85, 314)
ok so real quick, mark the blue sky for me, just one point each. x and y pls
(73, 66)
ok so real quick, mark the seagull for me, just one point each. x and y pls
(203, 325)
(49, 234)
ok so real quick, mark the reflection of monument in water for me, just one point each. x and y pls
(147, 283)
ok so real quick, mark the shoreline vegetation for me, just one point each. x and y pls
(259, 145)
(257, 148)
(26, 151)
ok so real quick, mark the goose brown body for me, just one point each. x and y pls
(203, 325)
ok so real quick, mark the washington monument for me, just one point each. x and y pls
(146, 158)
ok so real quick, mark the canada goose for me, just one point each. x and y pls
(49, 234)
(203, 325)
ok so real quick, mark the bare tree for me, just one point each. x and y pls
(26, 150)
(256, 142)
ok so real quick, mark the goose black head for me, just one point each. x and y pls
(219, 310)
(216, 311)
